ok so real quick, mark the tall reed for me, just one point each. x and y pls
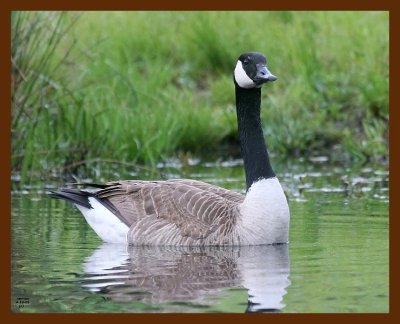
(36, 85)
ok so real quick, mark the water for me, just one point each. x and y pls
(337, 259)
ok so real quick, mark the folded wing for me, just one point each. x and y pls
(174, 212)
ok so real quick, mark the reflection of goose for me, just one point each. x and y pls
(265, 272)
(189, 212)
(168, 274)
(103, 265)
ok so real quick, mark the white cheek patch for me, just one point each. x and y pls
(241, 77)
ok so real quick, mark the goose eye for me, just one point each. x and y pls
(246, 61)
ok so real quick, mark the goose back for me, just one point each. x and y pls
(174, 212)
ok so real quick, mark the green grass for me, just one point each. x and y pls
(143, 86)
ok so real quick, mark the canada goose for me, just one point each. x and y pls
(189, 212)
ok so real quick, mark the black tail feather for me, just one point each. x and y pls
(81, 198)
(76, 196)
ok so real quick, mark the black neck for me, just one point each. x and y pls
(254, 150)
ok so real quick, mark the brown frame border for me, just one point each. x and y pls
(384, 5)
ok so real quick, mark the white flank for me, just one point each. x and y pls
(241, 77)
(265, 214)
(107, 226)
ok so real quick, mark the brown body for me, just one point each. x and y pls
(175, 212)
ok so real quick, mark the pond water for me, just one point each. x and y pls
(337, 259)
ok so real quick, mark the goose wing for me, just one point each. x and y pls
(176, 211)
(230, 195)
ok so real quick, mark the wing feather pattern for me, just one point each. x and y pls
(175, 212)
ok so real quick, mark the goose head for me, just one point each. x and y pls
(251, 71)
